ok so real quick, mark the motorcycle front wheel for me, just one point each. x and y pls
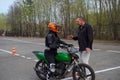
(83, 72)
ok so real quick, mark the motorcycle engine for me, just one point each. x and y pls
(60, 68)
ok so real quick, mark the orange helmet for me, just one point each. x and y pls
(52, 27)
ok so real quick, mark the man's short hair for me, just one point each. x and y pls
(82, 18)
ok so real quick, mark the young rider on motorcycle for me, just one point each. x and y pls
(52, 43)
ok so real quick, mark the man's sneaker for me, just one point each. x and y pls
(52, 67)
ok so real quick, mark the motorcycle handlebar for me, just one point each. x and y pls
(66, 47)
(63, 46)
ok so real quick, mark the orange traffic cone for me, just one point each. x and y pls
(14, 50)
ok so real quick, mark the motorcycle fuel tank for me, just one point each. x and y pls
(60, 57)
(63, 57)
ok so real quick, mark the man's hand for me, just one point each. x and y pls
(70, 37)
(88, 50)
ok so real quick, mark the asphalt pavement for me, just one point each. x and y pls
(104, 59)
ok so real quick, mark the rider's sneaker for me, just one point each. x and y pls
(52, 67)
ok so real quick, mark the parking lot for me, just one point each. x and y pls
(105, 59)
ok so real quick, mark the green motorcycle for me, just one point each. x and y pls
(66, 62)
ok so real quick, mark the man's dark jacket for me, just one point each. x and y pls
(85, 37)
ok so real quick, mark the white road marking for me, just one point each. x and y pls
(5, 51)
(96, 49)
(22, 41)
(100, 71)
(28, 58)
(23, 56)
(113, 51)
(109, 69)
(17, 54)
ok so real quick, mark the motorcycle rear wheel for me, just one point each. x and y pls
(41, 70)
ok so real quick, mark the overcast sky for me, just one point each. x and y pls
(4, 5)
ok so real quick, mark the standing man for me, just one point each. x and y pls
(85, 39)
